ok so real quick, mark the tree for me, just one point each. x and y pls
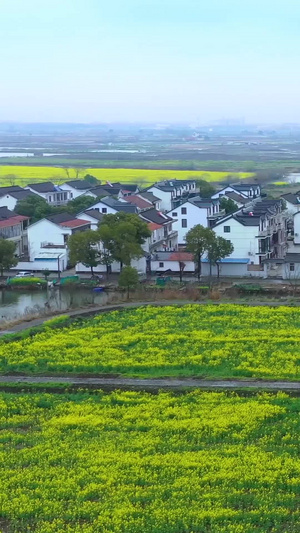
(35, 207)
(206, 189)
(228, 205)
(46, 272)
(7, 255)
(91, 180)
(128, 279)
(218, 249)
(83, 248)
(198, 240)
(79, 204)
(77, 172)
(11, 178)
(122, 235)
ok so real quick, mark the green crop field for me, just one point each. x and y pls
(22, 175)
(193, 340)
(129, 462)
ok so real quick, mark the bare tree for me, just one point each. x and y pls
(11, 178)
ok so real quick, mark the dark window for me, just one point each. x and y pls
(161, 265)
(174, 214)
(184, 223)
(226, 229)
(183, 210)
(292, 267)
(104, 210)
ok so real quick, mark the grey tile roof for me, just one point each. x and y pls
(60, 217)
(93, 213)
(292, 198)
(10, 189)
(155, 216)
(79, 184)
(45, 186)
(149, 196)
(236, 197)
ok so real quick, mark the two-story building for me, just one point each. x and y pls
(53, 194)
(172, 192)
(11, 198)
(257, 234)
(109, 205)
(163, 236)
(13, 227)
(48, 239)
(194, 211)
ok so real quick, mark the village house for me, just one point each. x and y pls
(53, 194)
(257, 234)
(156, 202)
(13, 227)
(194, 211)
(10, 199)
(163, 236)
(246, 191)
(47, 242)
(292, 202)
(76, 188)
(171, 192)
(109, 205)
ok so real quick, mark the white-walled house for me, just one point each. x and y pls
(76, 188)
(10, 199)
(91, 215)
(47, 242)
(164, 194)
(292, 202)
(172, 191)
(250, 191)
(150, 197)
(192, 212)
(109, 205)
(53, 194)
(227, 189)
(256, 235)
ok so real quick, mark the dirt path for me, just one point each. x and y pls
(152, 384)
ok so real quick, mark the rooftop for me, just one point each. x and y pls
(155, 216)
(10, 189)
(149, 196)
(94, 213)
(12, 221)
(237, 197)
(141, 203)
(45, 186)
(292, 198)
(75, 223)
(79, 184)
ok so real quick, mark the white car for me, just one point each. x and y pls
(23, 275)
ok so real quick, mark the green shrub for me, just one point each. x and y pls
(27, 281)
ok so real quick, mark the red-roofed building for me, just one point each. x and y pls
(140, 203)
(14, 228)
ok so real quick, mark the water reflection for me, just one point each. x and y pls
(14, 304)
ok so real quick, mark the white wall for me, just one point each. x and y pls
(38, 266)
(219, 194)
(92, 220)
(139, 264)
(74, 193)
(297, 228)
(291, 208)
(100, 205)
(194, 215)
(242, 237)
(172, 265)
(45, 231)
(8, 201)
(165, 197)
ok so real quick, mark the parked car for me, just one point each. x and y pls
(23, 274)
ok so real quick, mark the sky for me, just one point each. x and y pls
(149, 60)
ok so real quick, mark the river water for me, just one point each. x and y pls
(17, 304)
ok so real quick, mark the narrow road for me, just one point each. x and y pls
(152, 384)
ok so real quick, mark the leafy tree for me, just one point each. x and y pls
(122, 235)
(35, 207)
(128, 279)
(83, 248)
(7, 255)
(206, 189)
(228, 205)
(81, 203)
(218, 249)
(91, 179)
(46, 272)
(198, 240)
(105, 258)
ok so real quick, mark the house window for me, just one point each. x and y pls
(104, 210)
(174, 214)
(226, 229)
(292, 267)
(184, 222)
(50, 198)
(161, 265)
(183, 210)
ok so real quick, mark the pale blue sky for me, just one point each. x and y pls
(156, 60)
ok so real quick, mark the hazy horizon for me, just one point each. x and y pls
(156, 61)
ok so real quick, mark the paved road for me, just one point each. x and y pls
(150, 384)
